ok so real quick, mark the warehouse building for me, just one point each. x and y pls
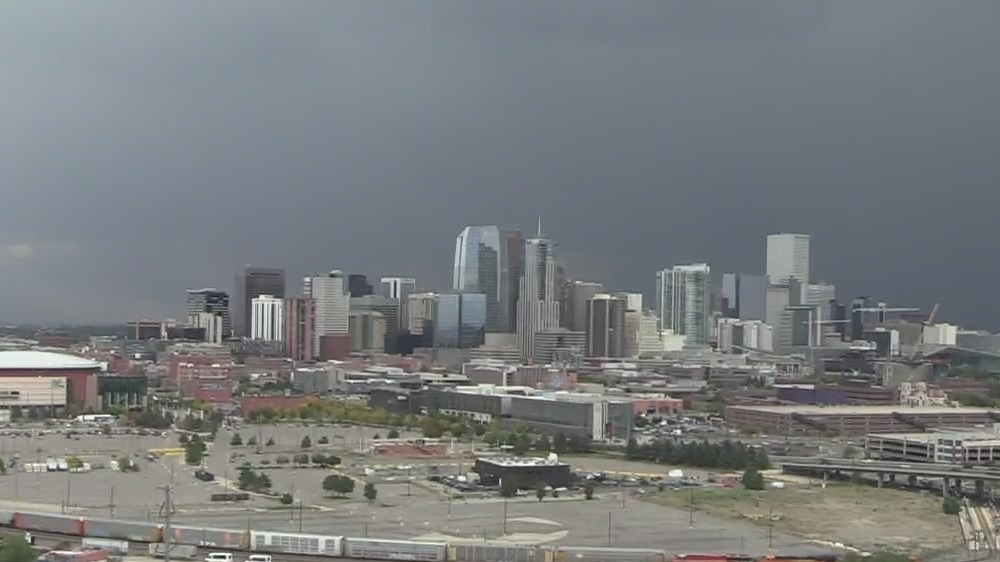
(854, 420)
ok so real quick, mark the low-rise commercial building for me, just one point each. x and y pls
(527, 472)
(854, 420)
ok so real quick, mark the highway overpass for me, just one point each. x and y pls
(952, 475)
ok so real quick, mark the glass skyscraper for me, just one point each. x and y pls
(460, 320)
(483, 265)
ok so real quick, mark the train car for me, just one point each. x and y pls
(207, 536)
(602, 554)
(490, 553)
(40, 522)
(379, 549)
(117, 529)
(296, 543)
(717, 557)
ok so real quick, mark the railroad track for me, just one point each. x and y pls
(140, 548)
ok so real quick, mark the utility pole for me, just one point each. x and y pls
(505, 516)
(609, 528)
(690, 508)
(168, 510)
(112, 503)
(300, 515)
(770, 527)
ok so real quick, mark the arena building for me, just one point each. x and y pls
(40, 382)
(855, 420)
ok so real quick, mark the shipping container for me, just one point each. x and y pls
(375, 549)
(124, 530)
(298, 543)
(207, 536)
(113, 546)
(177, 551)
(6, 518)
(601, 554)
(64, 524)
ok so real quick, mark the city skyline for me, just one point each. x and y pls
(654, 143)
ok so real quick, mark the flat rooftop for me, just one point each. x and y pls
(933, 436)
(521, 461)
(811, 410)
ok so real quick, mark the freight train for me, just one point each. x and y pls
(277, 542)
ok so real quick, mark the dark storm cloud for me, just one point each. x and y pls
(154, 146)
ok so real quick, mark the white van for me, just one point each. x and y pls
(258, 558)
(219, 557)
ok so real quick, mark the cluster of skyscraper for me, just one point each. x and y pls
(510, 293)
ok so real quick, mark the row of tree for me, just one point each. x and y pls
(725, 455)
(252, 481)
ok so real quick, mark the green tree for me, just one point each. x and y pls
(456, 429)
(393, 433)
(431, 427)
(287, 499)
(850, 452)
(323, 440)
(560, 444)
(194, 451)
(588, 489)
(951, 506)
(338, 484)
(16, 549)
(753, 479)
(236, 440)
(270, 442)
(74, 463)
(370, 492)
(252, 442)
(540, 491)
(306, 442)
(508, 487)
(543, 444)
(106, 429)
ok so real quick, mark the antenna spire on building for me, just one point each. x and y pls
(539, 226)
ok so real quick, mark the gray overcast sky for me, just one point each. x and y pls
(152, 146)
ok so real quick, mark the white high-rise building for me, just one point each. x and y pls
(538, 305)
(420, 312)
(267, 318)
(787, 258)
(683, 300)
(333, 304)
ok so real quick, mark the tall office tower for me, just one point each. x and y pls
(212, 301)
(460, 320)
(538, 304)
(368, 332)
(420, 313)
(249, 284)
(389, 309)
(510, 284)
(267, 318)
(573, 303)
(787, 258)
(333, 305)
(820, 295)
(480, 263)
(863, 317)
(743, 296)
(633, 301)
(399, 288)
(682, 301)
(358, 285)
(606, 326)
(300, 324)
(210, 324)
